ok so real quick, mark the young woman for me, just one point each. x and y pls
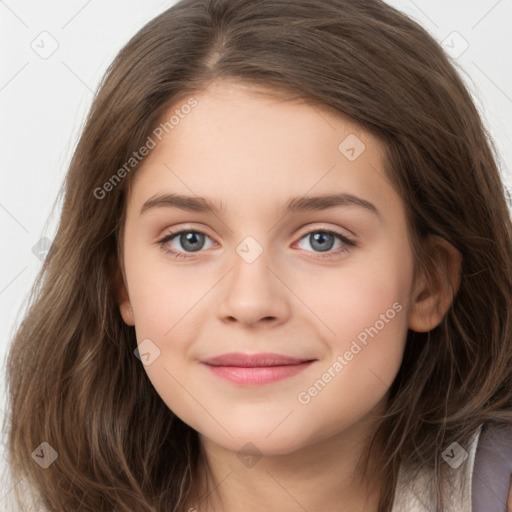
(340, 336)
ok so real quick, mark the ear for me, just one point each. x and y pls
(434, 293)
(122, 298)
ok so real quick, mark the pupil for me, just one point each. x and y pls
(320, 239)
(189, 241)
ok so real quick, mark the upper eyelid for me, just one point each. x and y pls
(336, 231)
(303, 233)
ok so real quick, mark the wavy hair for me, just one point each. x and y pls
(73, 380)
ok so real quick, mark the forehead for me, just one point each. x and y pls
(243, 140)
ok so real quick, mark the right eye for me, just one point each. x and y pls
(190, 240)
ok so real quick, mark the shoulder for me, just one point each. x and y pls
(20, 498)
(415, 490)
(493, 468)
(481, 477)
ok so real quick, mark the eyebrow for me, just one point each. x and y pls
(294, 204)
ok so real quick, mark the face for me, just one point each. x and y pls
(270, 268)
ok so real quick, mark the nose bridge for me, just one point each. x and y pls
(253, 292)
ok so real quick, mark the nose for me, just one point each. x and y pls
(254, 294)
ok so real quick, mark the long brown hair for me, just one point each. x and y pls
(73, 379)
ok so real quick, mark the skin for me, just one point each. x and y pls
(254, 153)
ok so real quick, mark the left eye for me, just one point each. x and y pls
(321, 241)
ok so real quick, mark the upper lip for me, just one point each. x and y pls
(253, 360)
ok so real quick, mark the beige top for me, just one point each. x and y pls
(417, 496)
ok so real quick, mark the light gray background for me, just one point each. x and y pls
(44, 99)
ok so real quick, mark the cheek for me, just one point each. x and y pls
(166, 302)
(370, 290)
(367, 313)
(161, 293)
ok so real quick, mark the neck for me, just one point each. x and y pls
(327, 475)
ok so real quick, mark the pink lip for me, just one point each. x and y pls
(255, 368)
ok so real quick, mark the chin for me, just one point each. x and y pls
(258, 442)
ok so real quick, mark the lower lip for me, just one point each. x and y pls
(257, 375)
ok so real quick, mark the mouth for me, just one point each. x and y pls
(255, 369)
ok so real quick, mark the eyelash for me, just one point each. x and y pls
(179, 255)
